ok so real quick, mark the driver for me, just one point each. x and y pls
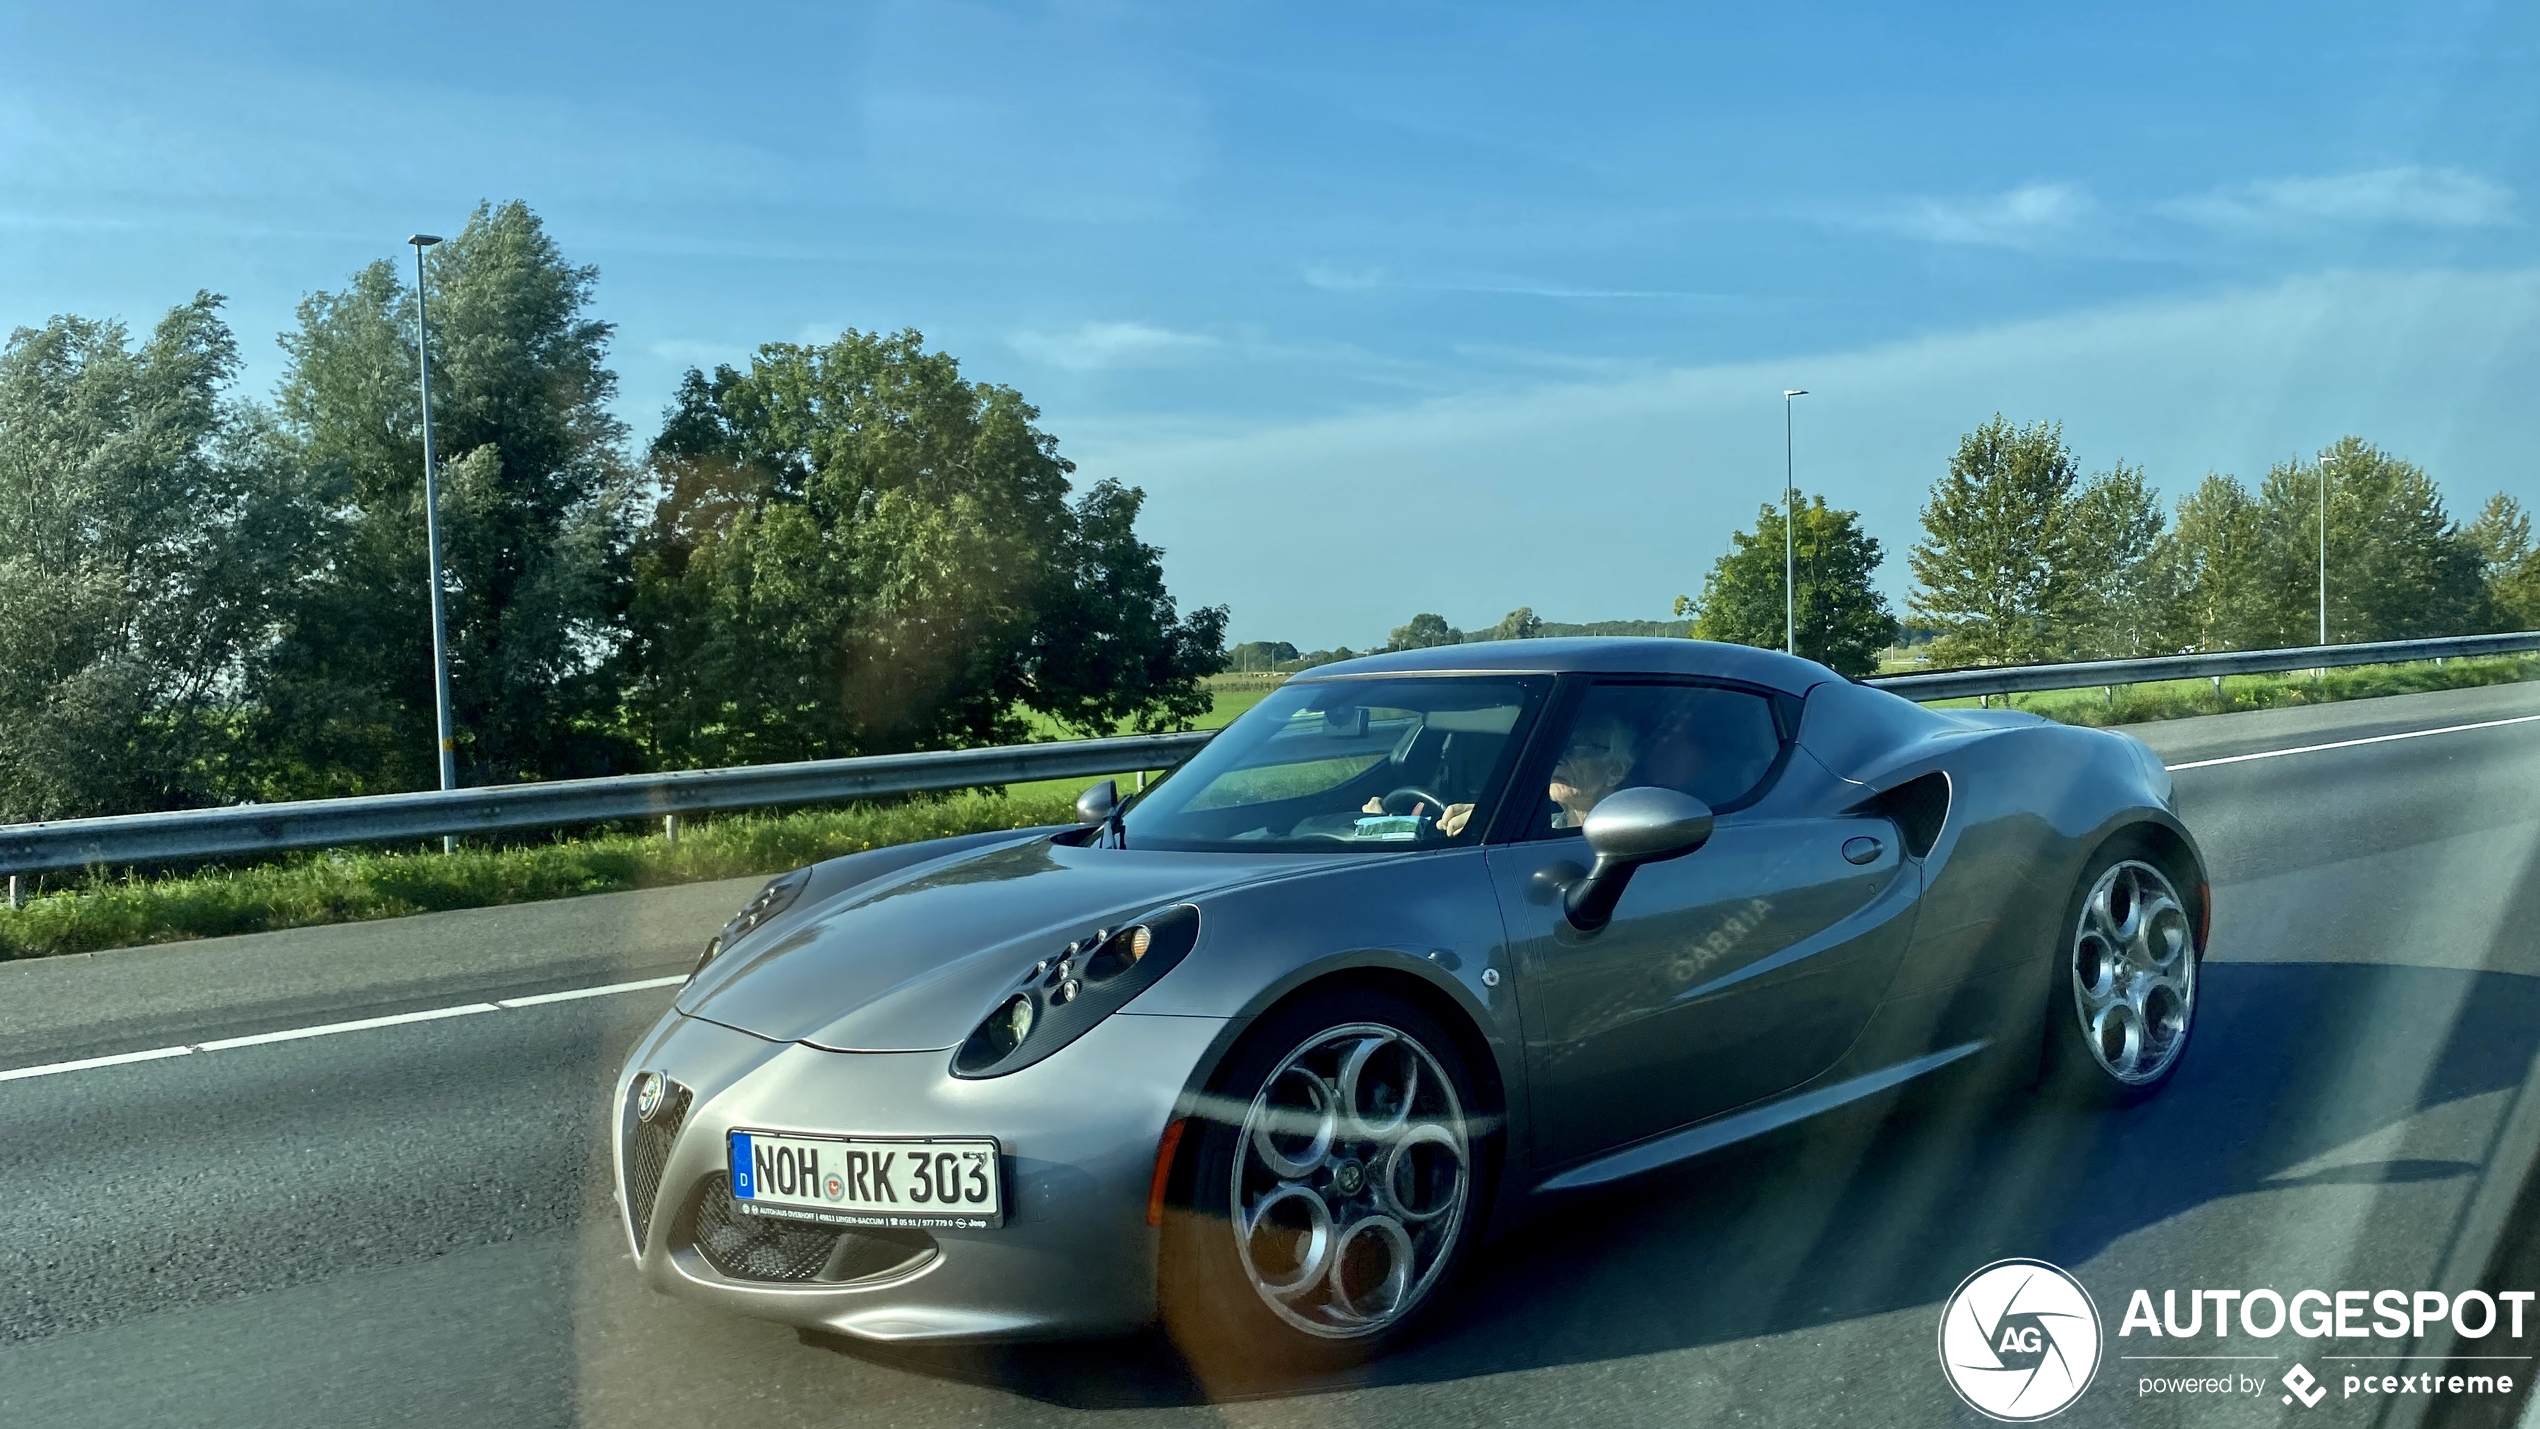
(1596, 763)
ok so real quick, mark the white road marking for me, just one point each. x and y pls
(582, 992)
(2351, 743)
(329, 1029)
(116, 1060)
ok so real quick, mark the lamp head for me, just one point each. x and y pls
(424, 240)
(1789, 393)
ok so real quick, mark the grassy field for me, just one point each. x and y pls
(1231, 696)
(2177, 699)
(338, 886)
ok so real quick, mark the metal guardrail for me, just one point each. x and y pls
(2027, 679)
(384, 818)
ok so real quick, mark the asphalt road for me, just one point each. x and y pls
(411, 1225)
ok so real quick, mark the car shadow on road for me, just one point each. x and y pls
(1879, 1211)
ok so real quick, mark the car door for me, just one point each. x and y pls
(1736, 972)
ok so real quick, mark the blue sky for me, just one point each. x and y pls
(1398, 308)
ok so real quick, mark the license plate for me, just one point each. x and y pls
(866, 1181)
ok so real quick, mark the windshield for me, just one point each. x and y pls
(1324, 765)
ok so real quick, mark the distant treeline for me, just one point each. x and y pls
(1425, 630)
(2026, 557)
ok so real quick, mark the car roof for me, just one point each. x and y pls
(1600, 655)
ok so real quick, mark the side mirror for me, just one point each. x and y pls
(1094, 806)
(1626, 829)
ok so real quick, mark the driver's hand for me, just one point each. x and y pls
(1453, 820)
(1372, 806)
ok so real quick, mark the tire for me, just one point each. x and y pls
(2122, 1004)
(1320, 1211)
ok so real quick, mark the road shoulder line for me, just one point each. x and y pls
(328, 1029)
(2352, 743)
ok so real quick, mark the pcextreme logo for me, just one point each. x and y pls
(2019, 1340)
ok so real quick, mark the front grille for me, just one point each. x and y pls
(765, 1248)
(648, 1146)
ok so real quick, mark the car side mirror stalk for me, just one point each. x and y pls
(1626, 829)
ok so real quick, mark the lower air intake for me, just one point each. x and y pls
(764, 1248)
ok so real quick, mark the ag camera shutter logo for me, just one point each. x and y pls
(2019, 1340)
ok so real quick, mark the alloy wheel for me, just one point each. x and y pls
(2134, 972)
(1351, 1178)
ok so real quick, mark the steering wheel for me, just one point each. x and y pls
(1437, 806)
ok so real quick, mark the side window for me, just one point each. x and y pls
(1714, 744)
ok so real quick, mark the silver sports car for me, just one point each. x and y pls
(1417, 943)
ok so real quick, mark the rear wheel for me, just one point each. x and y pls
(2124, 1001)
(1330, 1195)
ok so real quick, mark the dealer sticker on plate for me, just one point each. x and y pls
(860, 1181)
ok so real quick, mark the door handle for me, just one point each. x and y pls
(1862, 849)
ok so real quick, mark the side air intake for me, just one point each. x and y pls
(1920, 808)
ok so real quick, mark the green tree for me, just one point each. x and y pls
(144, 517)
(1423, 632)
(534, 496)
(2502, 534)
(1842, 622)
(1261, 655)
(858, 551)
(2122, 596)
(1110, 648)
(2213, 565)
(1519, 624)
(2023, 559)
(2399, 567)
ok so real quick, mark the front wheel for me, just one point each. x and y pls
(1330, 1193)
(2124, 1000)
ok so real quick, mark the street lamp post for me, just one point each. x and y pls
(432, 537)
(1790, 520)
(2323, 548)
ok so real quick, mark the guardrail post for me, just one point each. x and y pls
(13, 893)
(670, 829)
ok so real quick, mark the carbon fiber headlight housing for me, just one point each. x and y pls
(1062, 998)
(775, 898)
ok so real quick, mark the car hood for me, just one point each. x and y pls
(913, 961)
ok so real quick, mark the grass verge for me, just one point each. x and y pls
(350, 885)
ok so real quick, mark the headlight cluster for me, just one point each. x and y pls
(1062, 997)
(775, 898)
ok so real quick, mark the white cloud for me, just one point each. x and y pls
(1097, 346)
(2020, 218)
(2413, 194)
(1344, 280)
(1597, 499)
